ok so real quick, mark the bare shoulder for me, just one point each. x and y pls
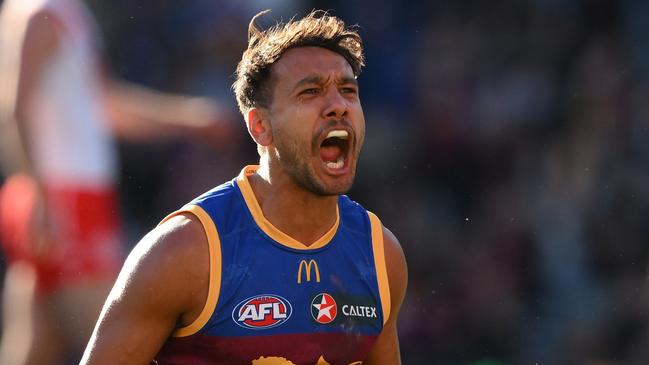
(178, 239)
(162, 286)
(45, 21)
(40, 41)
(386, 348)
(397, 268)
(393, 245)
(169, 266)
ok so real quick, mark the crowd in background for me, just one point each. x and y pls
(507, 147)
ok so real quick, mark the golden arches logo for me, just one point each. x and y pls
(308, 266)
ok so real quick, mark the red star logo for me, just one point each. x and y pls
(324, 308)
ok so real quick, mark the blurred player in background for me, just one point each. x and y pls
(59, 221)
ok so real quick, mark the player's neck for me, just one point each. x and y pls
(295, 211)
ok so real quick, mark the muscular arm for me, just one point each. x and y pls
(386, 348)
(163, 285)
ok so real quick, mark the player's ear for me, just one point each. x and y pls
(259, 126)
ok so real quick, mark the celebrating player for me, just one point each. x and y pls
(275, 266)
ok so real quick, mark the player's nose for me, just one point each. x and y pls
(336, 105)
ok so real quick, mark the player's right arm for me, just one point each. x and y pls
(40, 43)
(163, 285)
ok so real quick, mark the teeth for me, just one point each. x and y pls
(342, 134)
(336, 165)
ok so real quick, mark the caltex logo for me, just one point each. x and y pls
(324, 308)
(262, 311)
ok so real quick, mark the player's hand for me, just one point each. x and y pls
(40, 229)
(212, 122)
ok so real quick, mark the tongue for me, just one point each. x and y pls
(330, 153)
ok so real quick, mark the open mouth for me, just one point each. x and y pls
(334, 149)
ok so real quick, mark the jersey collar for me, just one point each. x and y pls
(266, 226)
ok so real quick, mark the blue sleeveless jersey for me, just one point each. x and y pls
(273, 300)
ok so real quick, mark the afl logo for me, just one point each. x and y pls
(324, 308)
(262, 311)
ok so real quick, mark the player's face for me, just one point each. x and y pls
(317, 120)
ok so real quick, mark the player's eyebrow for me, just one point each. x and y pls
(348, 80)
(311, 79)
(317, 79)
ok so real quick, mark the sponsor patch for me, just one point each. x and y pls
(344, 309)
(363, 311)
(262, 311)
(324, 308)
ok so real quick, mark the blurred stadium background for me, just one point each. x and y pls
(508, 149)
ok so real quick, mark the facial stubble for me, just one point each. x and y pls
(294, 159)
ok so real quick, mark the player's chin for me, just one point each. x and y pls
(338, 185)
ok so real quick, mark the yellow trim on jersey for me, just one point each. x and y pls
(380, 264)
(267, 226)
(214, 247)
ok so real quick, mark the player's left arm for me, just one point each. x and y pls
(386, 348)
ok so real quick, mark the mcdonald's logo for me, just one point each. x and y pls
(308, 266)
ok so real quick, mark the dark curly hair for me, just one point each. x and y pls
(318, 29)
